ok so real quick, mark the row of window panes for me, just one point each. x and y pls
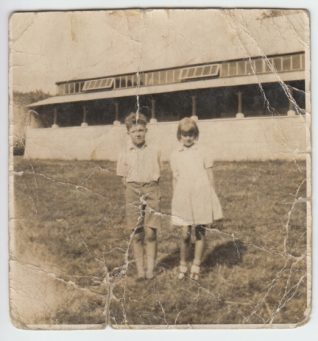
(122, 82)
(178, 75)
(127, 81)
(161, 77)
(70, 88)
(103, 83)
(245, 67)
(262, 65)
(200, 71)
(227, 69)
(147, 79)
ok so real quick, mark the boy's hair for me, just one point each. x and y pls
(187, 125)
(135, 118)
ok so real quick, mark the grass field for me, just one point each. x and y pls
(71, 219)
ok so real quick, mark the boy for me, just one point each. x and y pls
(139, 166)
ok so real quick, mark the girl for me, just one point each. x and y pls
(194, 203)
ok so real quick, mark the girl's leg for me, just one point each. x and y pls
(184, 248)
(198, 250)
(199, 244)
(151, 250)
(138, 248)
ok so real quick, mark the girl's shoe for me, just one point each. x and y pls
(182, 271)
(140, 278)
(195, 272)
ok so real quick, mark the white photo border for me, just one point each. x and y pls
(7, 330)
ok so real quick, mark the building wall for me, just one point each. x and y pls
(256, 138)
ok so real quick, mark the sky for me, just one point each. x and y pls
(46, 47)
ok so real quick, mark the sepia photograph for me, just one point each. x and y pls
(160, 168)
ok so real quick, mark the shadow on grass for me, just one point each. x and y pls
(170, 261)
(230, 253)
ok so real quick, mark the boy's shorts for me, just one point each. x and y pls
(143, 205)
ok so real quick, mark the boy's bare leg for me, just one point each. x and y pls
(185, 244)
(138, 249)
(151, 250)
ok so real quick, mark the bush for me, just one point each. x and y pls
(18, 147)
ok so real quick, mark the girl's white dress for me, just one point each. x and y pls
(194, 200)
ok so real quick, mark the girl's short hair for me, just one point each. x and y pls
(187, 125)
(135, 118)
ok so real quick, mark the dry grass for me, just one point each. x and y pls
(72, 221)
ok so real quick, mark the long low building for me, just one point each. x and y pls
(248, 108)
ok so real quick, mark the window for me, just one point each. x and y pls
(104, 83)
(191, 72)
(170, 76)
(163, 77)
(177, 75)
(232, 69)
(200, 71)
(72, 85)
(302, 61)
(140, 79)
(130, 81)
(259, 65)
(123, 82)
(277, 62)
(224, 70)
(149, 78)
(296, 62)
(250, 67)
(268, 65)
(156, 78)
(286, 63)
(241, 67)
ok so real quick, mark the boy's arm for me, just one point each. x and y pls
(174, 170)
(174, 181)
(160, 162)
(121, 169)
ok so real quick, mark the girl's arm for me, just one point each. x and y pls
(174, 181)
(210, 175)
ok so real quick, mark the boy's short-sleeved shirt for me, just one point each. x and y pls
(140, 165)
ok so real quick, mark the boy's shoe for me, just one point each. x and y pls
(195, 272)
(150, 275)
(182, 271)
(140, 278)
